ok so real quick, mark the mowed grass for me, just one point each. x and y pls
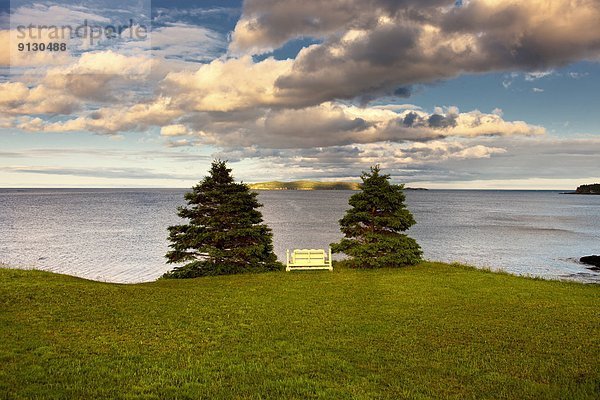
(431, 331)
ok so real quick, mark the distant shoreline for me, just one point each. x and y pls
(584, 194)
(310, 185)
(592, 189)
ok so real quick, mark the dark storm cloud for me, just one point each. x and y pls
(441, 121)
(410, 119)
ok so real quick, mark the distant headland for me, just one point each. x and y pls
(309, 185)
(587, 189)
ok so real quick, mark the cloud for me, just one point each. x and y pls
(553, 158)
(94, 77)
(11, 57)
(428, 152)
(184, 42)
(377, 46)
(396, 107)
(369, 49)
(227, 85)
(329, 124)
(409, 161)
(182, 143)
(106, 153)
(69, 24)
(578, 75)
(447, 160)
(52, 14)
(110, 120)
(18, 98)
(9, 154)
(406, 162)
(268, 24)
(126, 173)
(175, 130)
(533, 76)
(332, 124)
(323, 112)
(118, 71)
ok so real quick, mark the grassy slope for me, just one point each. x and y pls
(304, 185)
(431, 331)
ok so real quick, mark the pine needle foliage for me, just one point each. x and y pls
(373, 226)
(225, 233)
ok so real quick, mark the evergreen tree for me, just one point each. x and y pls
(225, 233)
(373, 226)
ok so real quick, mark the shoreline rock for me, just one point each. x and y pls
(588, 189)
(594, 261)
(593, 189)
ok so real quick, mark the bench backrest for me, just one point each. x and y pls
(308, 256)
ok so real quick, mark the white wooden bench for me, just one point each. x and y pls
(308, 259)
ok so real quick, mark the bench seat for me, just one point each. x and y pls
(308, 259)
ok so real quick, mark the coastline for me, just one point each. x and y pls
(572, 278)
(582, 194)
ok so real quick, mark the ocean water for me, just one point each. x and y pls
(119, 235)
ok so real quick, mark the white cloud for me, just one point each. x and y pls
(94, 77)
(111, 120)
(18, 98)
(533, 76)
(578, 75)
(175, 130)
(397, 107)
(227, 85)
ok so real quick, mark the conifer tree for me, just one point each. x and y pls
(225, 233)
(372, 226)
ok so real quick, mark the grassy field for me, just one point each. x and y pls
(431, 331)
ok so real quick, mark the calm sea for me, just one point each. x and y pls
(120, 235)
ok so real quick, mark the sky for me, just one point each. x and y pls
(480, 94)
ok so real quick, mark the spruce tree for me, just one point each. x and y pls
(225, 233)
(372, 226)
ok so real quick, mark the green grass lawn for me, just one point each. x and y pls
(431, 331)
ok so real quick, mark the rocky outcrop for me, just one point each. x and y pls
(588, 189)
(591, 260)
